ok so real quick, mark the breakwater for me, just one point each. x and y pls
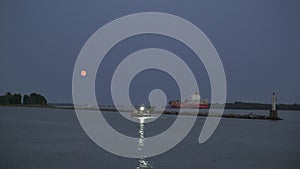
(228, 115)
(204, 114)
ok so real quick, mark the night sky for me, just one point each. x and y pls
(258, 42)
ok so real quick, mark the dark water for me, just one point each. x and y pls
(52, 138)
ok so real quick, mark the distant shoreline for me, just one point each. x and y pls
(232, 106)
(235, 105)
(175, 112)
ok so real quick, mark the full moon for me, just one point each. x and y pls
(83, 73)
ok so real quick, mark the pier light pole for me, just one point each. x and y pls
(274, 99)
(273, 111)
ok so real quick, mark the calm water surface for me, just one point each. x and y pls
(52, 138)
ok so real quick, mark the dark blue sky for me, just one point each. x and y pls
(258, 42)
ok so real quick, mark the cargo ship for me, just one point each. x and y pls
(194, 103)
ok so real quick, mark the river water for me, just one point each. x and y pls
(53, 138)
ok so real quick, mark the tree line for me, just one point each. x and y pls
(17, 99)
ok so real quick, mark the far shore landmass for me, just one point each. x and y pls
(235, 105)
(169, 112)
(37, 100)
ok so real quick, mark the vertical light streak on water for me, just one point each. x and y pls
(143, 163)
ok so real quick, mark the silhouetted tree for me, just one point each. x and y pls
(26, 99)
(32, 98)
(16, 99)
(37, 99)
(8, 99)
(4, 100)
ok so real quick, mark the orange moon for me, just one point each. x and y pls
(83, 73)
